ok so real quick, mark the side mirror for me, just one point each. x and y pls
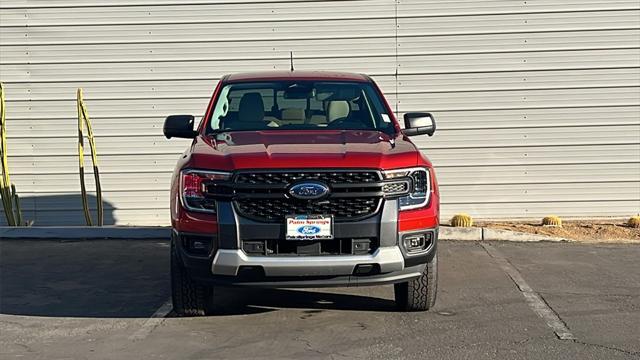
(179, 126)
(419, 124)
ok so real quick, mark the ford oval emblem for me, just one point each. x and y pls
(308, 230)
(309, 190)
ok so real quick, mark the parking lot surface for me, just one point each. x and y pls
(108, 300)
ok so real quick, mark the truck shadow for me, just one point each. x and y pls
(130, 279)
(241, 301)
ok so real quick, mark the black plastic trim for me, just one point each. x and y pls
(227, 226)
(419, 258)
(196, 265)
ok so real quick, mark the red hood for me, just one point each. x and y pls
(302, 149)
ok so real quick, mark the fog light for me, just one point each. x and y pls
(417, 242)
(414, 242)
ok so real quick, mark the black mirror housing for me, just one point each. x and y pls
(179, 126)
(419, 123)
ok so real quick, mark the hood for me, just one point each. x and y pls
(302, 149)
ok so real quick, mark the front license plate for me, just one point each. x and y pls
(309, 227)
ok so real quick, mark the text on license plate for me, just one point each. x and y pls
(307, 227)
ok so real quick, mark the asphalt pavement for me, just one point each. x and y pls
(109, 300)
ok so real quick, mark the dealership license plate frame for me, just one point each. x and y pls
(323, 222)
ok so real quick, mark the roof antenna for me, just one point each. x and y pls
(291, 52)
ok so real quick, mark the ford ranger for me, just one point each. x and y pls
(302, 179)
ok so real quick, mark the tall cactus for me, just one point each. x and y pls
(7, 189)
(83, 118)
(15, 200)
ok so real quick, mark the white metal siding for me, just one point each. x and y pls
(537, 102)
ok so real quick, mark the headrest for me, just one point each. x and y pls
(293, 114)
(251, 108)
(337, 109)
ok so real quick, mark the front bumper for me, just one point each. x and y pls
(236, 268)
(228, 264)
(319, 281)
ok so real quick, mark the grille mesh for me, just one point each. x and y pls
(346, 177)
(273, 210)
(277, 208)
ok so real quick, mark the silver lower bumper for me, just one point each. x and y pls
(227, 262)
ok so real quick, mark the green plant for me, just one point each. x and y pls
(461, 220)
(10, 199)
(634, 222)
(552, 220)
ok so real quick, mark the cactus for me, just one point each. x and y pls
(83, 118)
(7, 190)
(15, 199)
(552, 220)
(634, 222)
(461, 220)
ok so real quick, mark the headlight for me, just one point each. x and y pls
(192, 184)
(421, 187)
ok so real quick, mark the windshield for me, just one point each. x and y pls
(299, 105)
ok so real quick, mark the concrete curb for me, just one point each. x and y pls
(459, 233)
(158, 232)
(84, 232)
(487, 234)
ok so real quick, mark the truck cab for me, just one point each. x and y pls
(302, 179)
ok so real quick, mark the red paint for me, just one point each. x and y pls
(300, 149)
(418, 219)
(296, 75)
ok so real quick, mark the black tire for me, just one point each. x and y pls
(189, 297)
(419, 294)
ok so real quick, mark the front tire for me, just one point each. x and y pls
(419, 294)
(189, 297)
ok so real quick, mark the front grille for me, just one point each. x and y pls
(269, 196)
(262, 195)
(275, 210)
(338, 177)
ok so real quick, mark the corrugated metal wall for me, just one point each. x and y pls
(537, 101)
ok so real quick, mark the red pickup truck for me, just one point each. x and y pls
(302, 179)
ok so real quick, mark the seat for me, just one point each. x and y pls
(250, 113)
(338, 109)
(293, 116)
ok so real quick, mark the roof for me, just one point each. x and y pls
(297, 75)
